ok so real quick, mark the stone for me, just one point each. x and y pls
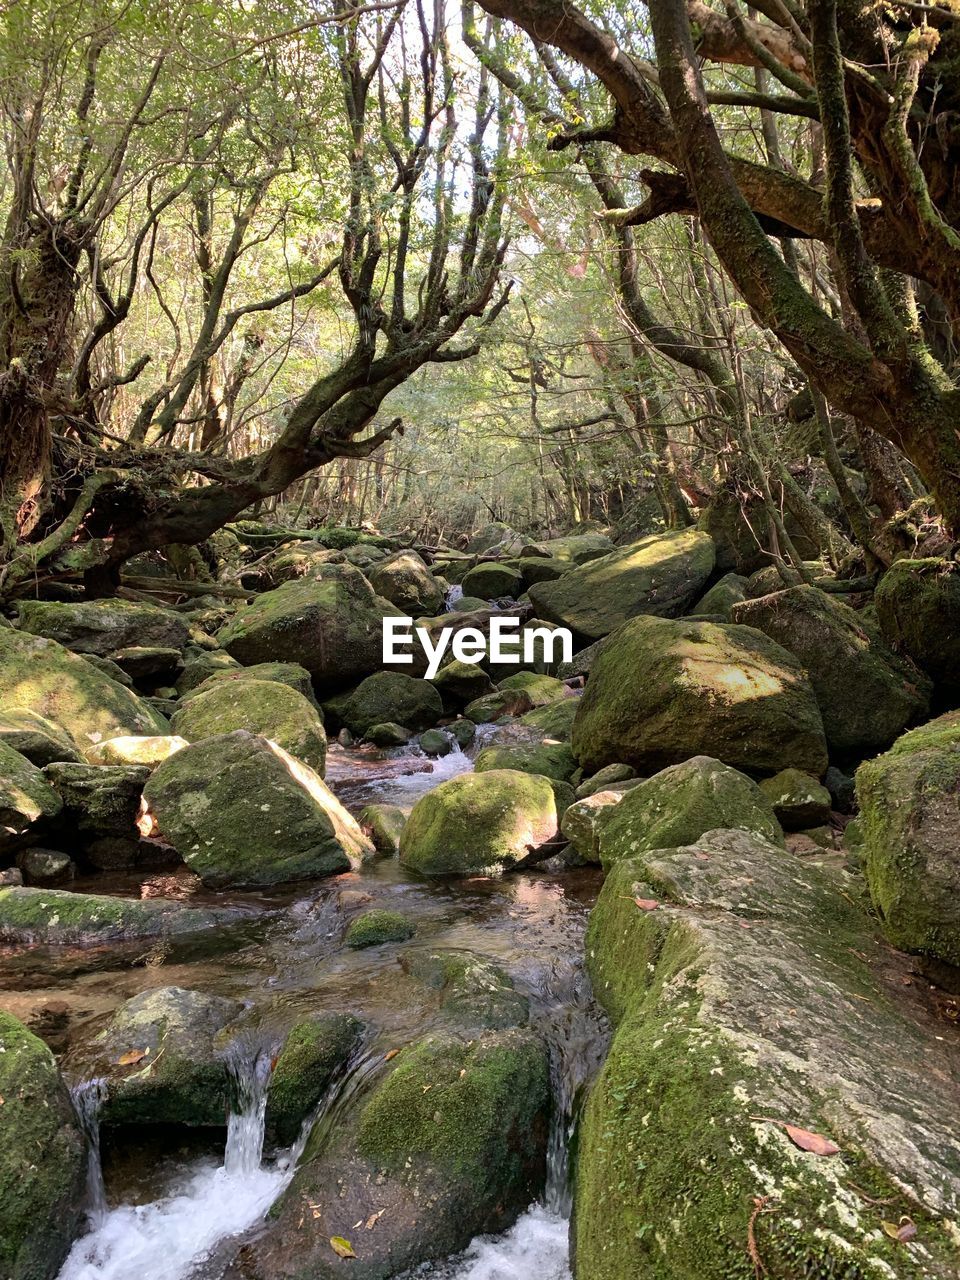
(541, 569)
(46, 678)
(604, 778)
(463, 733)
(751, 996)
(467, 604)
(390, 696)
(505, 702)
(662, 574)
(662, 691)
(475, 993)
(434, 742)
(265, 707)
(42, 867)
(408, 584)
(491, 580)
(314, 1052)
(910, 819)
(738, 547)
(476, 822)
(28, 802)
(146, 751)
(798, 800)
(100, 627)
(842, 788)
(918, 607)
(42, 1159)
(554, 720)
(201, 665)
(574, 548)
(584, 820)
(57, 917)
(383, 823)
(461, 682)
(36, 737)
(551, 760)
(722, 596)
(144, 662)
(867, 694)
(541, 689)
(100, 800)
(240, 811)
(374, 928)
(287, 673)
(387, 735)
(331, 624)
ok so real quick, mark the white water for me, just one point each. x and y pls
(535, 1248)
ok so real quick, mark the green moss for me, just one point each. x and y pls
(374, 928)
(474, 992)
(554, 720)
(542, 689)
(313, 1052)
(492, 706)
(264, 707)
(918, 604)
(389, 697)
(552, 760)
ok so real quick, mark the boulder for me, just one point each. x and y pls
(476, 822)
(662, 574)
(287, 673)
(798, 800)
(574, 548)
(36, 737)
(388, 735)
(748, 995)
(505, 702)
(434, 742)
(42, 1159)
(604, 778)
(315, 1051)
(200, 665)
(265, 707)
(408, 584)
(551, 760)
(43, 867)
(680, 804)
(450, 1142)
(463, 732)
(384, 822)
(390, 696)
(662, 691)
(149, 663)
(146, 751)
(374, 928)
(160, 1059)
(490, 580)
(733, 524)
(467, 604)
(331, 624)
(27, 800)
(461, 682)
(475, 993)
(722, 596)
(100, 800)
(584, 820)
(240, 811)
(910, 819)
(541, 689)
(43, 677)
(918, 605)
(495, 534)
(101, 627)
(541, 569)
(867, 693)
(555, 720)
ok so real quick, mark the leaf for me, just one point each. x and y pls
(342, 1248)
(391, 1053)
(372, 1220)
(815, 1143)
(901, 1231)
(647, 904)
(132, 1057)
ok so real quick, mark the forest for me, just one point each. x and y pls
(609, 356)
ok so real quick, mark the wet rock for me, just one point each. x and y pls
(721, 597)
(604, 778)
(463, 733)
(798, 800)
(867, 694)
(584, 820)
(461, 682)
(102, 626)
(42, 867)
(314, 1051)
(910, 818)
(388, 735)
(145, 751)
(479, 822)
(663, 691)
(552, 760)
(662, 574)
(679, 804)
(684, 1126)
(490, 580)
(475, 993)
(408, 584)
(44, 677)
(27, 800)
(385, 823)
(918, 605)
(505, 702)
(449, 1143)
(36, 737)
(390, 696)
(434, 742)
(374, 928)
(240, 811)
(265, 707)
(100, 800)
(42, 1158)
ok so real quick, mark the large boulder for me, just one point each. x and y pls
(867, 693)
(918, 605)
(758, 1029)
(476, 822)
(263, 707)
(680, 804)
(42, 1158)
(555, 720)
(331, 624)
(390, 697)
(102, 626)
(407, 583)
(733, 524)
(662, 691)
(492, 581)
(203, 664)
(583, 822)
(720, 599)
(475, 994)
(573, 548)
(910, 820)
(100, 800)
(147, 751)
(550, 759)
(27, 800)
(46, 678)
(240, 811)
(461, 682)
(288, 673)
(449, 1143)
(36, 737)
(798, 800)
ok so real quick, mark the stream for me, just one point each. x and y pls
(173, 1206)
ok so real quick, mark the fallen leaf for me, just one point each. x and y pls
(391, 1053)
(901, 1231)
(132, 1057)
(647, 904)
(372, 1220)
(815, 1143)
(342, 1248)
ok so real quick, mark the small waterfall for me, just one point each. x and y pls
(245, 1124)
(88, 1097)
(454, 594)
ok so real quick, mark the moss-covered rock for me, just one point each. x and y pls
(449, 1143)
(542, 689)
(680, 804)
(42, 1158)
(384, 822)
(731, 523)
(265, 707)
(467, 604)
(388, 734)
(572, 548)
(200, 665)
(45, 867)
(480, 821)
(286, 673)
(662, 691)
(604, 778)
(434, 742)
(584, 820)
(662, 574)
(867, 693)
(100, 800)
(910, 818)
(918, 605)
(103, 626)
(146, 751)
(390, 696)
(505, 702)
(542, 569)
(27, 800)
(475, 993)
(240, 811)
(551, 759)
(490, 580)
(331, 624)
(463, 732)
(743, 1001)
(798, 800)
(44, 677)
(722, 596)
(314, 1052)
(460, 682)
(554, 720)
(407, 583)
(374, 928)
(36, 737)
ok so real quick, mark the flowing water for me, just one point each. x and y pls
(179, 1218)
